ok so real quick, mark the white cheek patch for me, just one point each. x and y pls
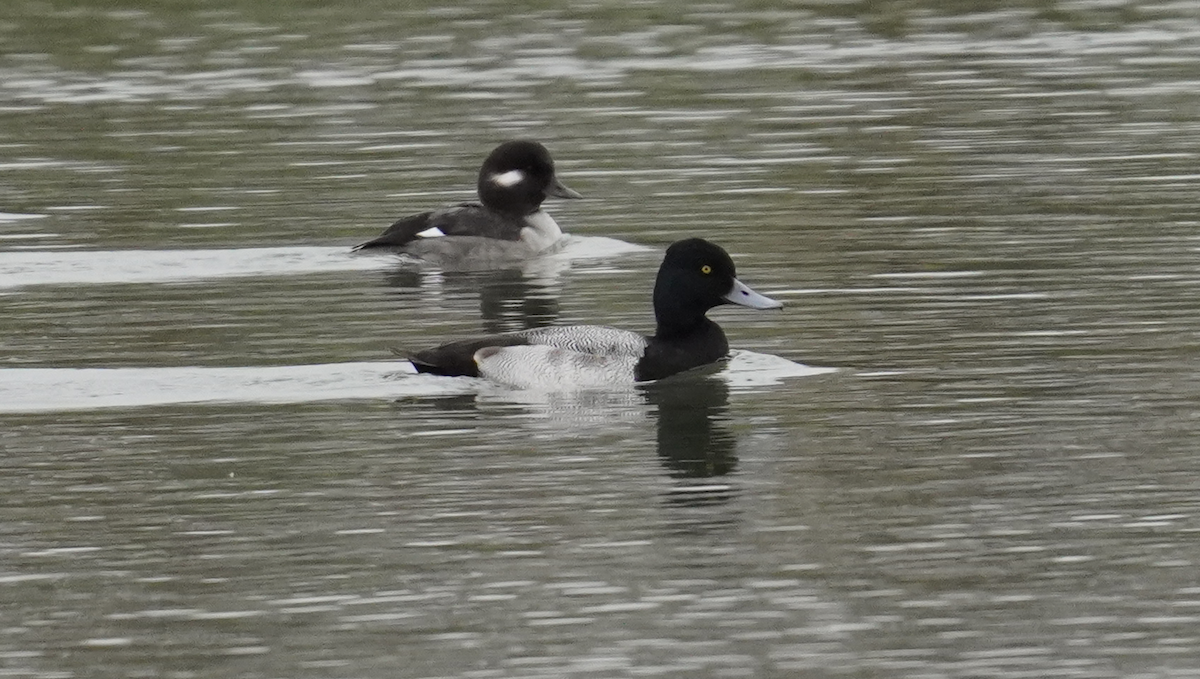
(431, 232)
(510, 178)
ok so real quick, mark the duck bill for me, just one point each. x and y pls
(741, 295)
(559, 190)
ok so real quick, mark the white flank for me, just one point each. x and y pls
(553, 369)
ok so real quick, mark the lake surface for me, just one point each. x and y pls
(983, 217)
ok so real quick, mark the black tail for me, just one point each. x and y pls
(457, 358)
(399, 234)
(433, 362)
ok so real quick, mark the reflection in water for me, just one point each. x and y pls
(691, 413)
(694, 441)
(509, 299)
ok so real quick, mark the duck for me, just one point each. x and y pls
(695, 276)
(507, 224)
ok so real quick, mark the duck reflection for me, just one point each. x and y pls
(695, 444)
(512, 300)
(509, 299)
(691, 415)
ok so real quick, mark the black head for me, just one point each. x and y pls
(517, 176)
(696, 276)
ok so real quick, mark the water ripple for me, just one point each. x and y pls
(25, 390)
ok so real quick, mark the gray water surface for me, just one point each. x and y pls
(982, 215)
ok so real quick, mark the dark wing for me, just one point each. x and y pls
(464, 219)
(400, 233)
(458, 358)
(473, 219)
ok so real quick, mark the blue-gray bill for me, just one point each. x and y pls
(560, 190)
(742, 295)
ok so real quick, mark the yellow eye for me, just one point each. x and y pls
(706, 269)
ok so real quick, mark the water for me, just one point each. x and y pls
(983, 216)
